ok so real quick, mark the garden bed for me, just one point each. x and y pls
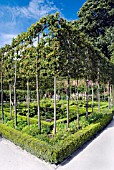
(59, 151)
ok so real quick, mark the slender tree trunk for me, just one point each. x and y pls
(37, 92)
(104, 93)
(98, 97)
(113, 94)
(10, 101)
(77, 104)
(28, 103)
(2, 107)
(15, 111)
(54, 104)
(38, 101)
(98, 87)
(68, 99)
(92, 98)
(108, 95)
(86, 98)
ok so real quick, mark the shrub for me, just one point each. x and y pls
(67, 146)
(31, 144)
(20, 124)
(62, 148)
(31, 130)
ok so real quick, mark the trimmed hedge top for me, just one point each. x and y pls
(58, 152)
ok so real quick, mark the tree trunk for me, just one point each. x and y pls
(2, 107)
(92, 99)
(15, 111)
(37, 92)
(86, 98)
(54, 104)
(113, 94)
(104, 94)
(108, 95)
(98, 94)
(28, 103)
(38, 101)
(10, 101)
(77, 96)
(98, 97)
(68, 98)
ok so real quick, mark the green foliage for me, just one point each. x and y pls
(67, 146)
(31, 144)
(60, 149)
(95, 17)
(20, 124)
(31, 130)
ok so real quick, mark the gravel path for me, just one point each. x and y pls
(97, 155)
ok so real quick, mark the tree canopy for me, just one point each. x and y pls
(96, 20)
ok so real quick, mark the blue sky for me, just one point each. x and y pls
(16, 16)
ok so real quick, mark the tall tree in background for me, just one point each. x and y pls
(96, 18)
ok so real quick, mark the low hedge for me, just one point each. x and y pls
(36, 147)
(73, 142)
(58, 152)
(32, 120)
(35, 121)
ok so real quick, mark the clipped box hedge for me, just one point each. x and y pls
(58, 152)
(36, 147)
(73, 142)
(35, 121)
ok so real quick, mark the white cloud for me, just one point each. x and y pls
(35, 9)
(6, 38)
(13, 18)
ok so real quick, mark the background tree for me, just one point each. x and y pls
(95, 19)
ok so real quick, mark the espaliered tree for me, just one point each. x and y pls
(27, 65)
(52, 56)
(32, 33)
(62, 50)
(15, 56)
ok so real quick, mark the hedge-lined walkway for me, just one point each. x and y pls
(98, 155)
